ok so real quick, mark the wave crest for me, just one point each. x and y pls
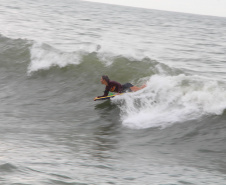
(44, 56)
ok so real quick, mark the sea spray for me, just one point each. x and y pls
(171, 99)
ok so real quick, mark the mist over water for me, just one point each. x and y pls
(52, 55)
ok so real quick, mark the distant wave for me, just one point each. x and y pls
(7, 168)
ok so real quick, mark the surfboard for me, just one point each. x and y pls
(107, 97)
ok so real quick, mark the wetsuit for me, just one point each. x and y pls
(114, 86)
(126, 87)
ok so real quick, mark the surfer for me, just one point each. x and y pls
(114, 86)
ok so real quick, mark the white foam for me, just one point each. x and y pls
(170, 99)
(44, 57)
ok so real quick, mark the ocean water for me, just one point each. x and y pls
(52, 55)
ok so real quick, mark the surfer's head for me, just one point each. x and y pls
(105, 80)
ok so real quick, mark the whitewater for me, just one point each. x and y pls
(52, 56)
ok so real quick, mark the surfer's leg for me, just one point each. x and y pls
(135, 88)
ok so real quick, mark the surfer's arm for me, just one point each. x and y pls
(105, 94)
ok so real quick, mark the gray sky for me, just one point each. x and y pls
(204, 7)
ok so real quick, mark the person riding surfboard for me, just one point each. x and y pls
(114, 86)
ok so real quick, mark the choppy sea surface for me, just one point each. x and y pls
(52, 55)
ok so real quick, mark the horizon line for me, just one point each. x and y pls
(159, 9)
